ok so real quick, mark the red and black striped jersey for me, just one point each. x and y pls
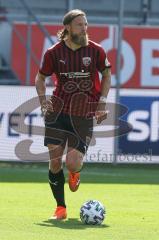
(77, 89)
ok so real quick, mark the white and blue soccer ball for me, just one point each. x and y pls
(92, 212)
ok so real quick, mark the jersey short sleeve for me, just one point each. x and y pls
(102, 60)
(47, 64)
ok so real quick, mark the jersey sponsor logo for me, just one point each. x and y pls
(76, 74)
(86, 61)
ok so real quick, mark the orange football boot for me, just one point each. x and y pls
(60, 213)
(74, 181)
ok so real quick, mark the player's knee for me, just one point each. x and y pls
(74, 166)
(55, 165)
(74, 160)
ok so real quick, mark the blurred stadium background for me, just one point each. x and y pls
(128, 30)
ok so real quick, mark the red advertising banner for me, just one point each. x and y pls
(140, 52)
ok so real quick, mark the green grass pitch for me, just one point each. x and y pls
(129, 193)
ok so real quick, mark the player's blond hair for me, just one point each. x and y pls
(67, 19)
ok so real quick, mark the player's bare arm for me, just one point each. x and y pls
(106, 81)
(101, 113)
(46, 105)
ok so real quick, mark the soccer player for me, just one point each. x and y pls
(79, 96)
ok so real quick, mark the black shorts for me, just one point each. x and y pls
(73, 130)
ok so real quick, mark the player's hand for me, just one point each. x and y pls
(101, 116)
(47, 108)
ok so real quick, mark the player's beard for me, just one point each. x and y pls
(79, 39)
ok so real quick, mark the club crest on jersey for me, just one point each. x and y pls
(86, 61)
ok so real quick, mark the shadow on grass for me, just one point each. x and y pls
(91, 173)
(70, 223)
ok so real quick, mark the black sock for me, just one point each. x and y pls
(57, 182)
